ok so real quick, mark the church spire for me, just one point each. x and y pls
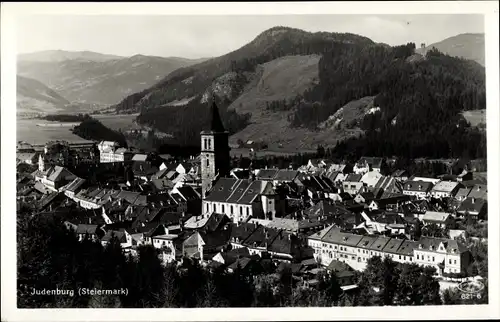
(215, 120)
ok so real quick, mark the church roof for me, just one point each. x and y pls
(215, 124)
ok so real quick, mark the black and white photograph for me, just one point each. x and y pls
(250, 156)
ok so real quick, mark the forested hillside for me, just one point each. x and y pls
(271, 44)
(413, 103)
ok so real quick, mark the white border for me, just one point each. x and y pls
(8, 128)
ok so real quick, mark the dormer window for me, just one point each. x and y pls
(420, 246)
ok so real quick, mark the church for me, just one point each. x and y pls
(239, 199)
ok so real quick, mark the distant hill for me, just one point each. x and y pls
(94, 78)
(35, 97)
(61, 55)
(468, 46)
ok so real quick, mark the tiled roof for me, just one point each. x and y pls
(445, 186)
(235, 191)
(432, 244)
(479, 191)
(393, 245)
(84, 228)
(286, 175)
(417, 186)
(435, 216)
(353, 177)
(472, 205)
(266, 174)
(335, 236)
(463, 193)
(75, 184)
(242, 231)
(407, 248)
(389, 218)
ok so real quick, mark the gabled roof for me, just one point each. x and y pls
(353, 178)
(75, 184)
(435, 216)
(335, 236)
(338, 266)
(373, 161)
(266, 174)
(472, 205)
(235, 191)
(463, 193)
(140, 157)
(86, 229)
(432, 244)
(445, 186)
(400, 173)
(242, 231)
(389, 218)
(422, 186)
(479, 191)
(286, 175)
(393, 245)
(407, 248)
(320, 234)
(188, 193)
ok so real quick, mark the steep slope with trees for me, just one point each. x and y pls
(399, 94)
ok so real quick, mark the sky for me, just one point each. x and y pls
(210, 36)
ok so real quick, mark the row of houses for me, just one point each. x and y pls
(446, 255)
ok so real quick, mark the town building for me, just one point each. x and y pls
(420, 189)
(367, 164)
(110, 151)
(215, 158)
(445, 189)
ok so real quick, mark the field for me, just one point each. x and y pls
(28, 131)
(475, 117)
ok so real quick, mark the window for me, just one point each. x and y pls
(399, 256)
(223, 210)
(241, 210)
(335, 247)
(449, 261)
(371, 253)
(215, 207)
(418, 256)
(208, 207)
(209, 144)
(231, 208)
(248, 211)
(207, 162)
(433, 259)
(205, 146)
(455, 261)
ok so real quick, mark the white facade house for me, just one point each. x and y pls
(110, 151)
(445, 189)
(420, 189)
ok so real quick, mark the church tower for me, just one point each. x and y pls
(215, 157)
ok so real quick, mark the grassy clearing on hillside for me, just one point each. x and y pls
(282, 78)
(475, 117)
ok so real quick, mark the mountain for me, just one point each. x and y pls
(62, 55)
(35, 97)
(297, 90)
(469, 46)
(94, 78)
